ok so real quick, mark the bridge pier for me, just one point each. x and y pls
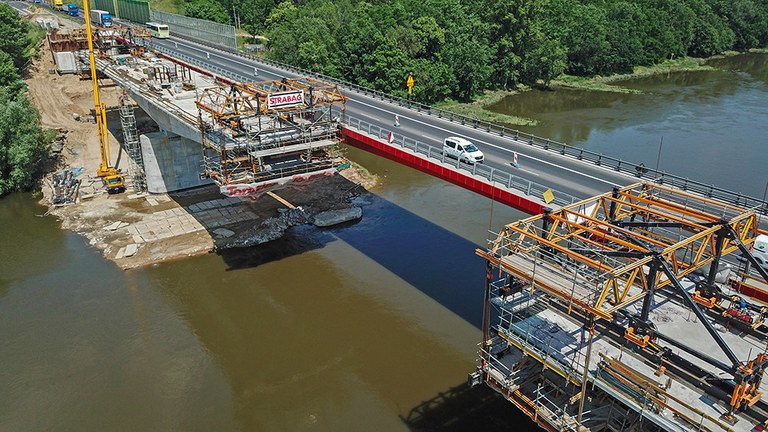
(171, 162)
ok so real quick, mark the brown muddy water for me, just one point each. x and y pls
(370, 326)
(355, 328)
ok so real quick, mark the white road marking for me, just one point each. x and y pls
(570, 170)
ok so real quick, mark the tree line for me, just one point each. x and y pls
(458, 49)
(24, 146)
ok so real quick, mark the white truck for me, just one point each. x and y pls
(101, 18)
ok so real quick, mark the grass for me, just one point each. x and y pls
(477, 108)
(601, 83)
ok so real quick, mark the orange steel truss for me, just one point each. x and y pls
(242, 100)
(612, 238)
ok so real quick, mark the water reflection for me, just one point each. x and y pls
(753, 64)
(713, 124)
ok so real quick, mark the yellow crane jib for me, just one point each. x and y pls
(112, 178)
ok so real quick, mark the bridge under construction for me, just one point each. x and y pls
(639, 309)
(625, 312)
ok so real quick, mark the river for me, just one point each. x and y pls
(371, 326)
(711, 125)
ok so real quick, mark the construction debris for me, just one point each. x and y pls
(65, 185)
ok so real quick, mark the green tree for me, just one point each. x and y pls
(467, 53)
(9, 75)
(711, 34)
(545, 58)
(510, 25)
(433, 81)
(23, 145)
(207, 10)
(625, 48)
(747, 20)
(13, 35)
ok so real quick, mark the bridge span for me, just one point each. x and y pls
(571, 173)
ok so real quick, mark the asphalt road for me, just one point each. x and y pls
(560, 173)
(564, 175)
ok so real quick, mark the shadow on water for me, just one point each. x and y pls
(463, 408)
(428, 257)
(297, 240)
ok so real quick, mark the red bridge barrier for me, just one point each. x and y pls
(459, 178)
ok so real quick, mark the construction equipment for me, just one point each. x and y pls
(113, 180)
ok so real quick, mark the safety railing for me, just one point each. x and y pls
(495, 176)
(638, 170)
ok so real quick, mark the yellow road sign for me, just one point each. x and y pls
(548, 196)
(409, 83)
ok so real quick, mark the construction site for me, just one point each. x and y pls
(634, 310)
(180, 139)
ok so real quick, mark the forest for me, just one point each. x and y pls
(457, 49)
(24, 146)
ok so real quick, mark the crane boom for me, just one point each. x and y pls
(109, 174)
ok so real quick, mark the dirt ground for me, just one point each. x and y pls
(139, 229)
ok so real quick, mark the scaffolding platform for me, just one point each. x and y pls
(613, 314)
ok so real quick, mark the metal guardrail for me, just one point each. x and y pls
(210, 67)
(493, 175)
(634, 169)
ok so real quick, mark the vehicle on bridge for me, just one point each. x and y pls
(59, 5)
(73, 10)
(462, 150)
(160, 31)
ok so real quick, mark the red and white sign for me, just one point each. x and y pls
(285, 99)
(253, 191)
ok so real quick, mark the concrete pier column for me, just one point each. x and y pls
(171, 162)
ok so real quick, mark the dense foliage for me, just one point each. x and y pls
(23, 144)
(459, 48)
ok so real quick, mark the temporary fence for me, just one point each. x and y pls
(208, 32)
(137, 11)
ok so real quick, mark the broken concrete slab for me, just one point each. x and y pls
(131, 250)
(335, 217)
(223, 232)
(116, 225)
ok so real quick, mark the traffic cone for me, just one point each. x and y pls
(514, 160)
(397, 121)
(391, 138)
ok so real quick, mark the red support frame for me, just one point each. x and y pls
(465, 180)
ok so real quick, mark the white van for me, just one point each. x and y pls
(760, 250)
(462, 150)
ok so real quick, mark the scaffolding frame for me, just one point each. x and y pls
(132, 145)
(247, 142)
(609, 242)
(591, 260)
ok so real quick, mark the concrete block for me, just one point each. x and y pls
(131, 250)
(334, 217)
(223, 232)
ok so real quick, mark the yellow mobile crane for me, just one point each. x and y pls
(111, 177)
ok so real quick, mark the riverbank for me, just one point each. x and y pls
(136, 230)
(478, 107)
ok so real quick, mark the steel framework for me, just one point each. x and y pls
(246, 141)
(596, 258)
